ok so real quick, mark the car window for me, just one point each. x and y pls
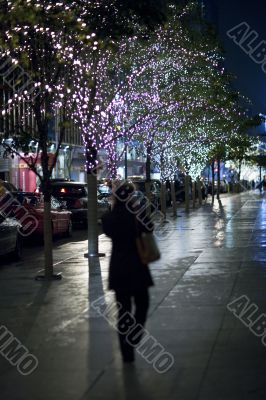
(104, 189)
(27, 198)
(38, 202)
(55, 204)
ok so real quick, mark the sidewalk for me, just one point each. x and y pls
(210, 258)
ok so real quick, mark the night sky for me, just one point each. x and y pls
(251, 80)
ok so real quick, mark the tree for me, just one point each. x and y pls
(241, 144)
(40, 36)
(50, 41)
(187, 76)
(104, 83)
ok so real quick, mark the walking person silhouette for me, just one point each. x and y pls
(128, 276)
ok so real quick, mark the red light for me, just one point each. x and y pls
(63, 190)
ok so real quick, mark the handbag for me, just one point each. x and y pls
(147, 248)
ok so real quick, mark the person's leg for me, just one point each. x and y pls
(141, 299)
(124, 322)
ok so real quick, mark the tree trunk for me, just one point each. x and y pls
(199, 191)
(92, 216)
(260, 179)
(219, 180)
(48, 241)
(239, 175)
(187, 199)
(239, 169)
(163, 199)
(163, 185)
(125, 174)
(173, 198)
(194, 194)
(213, 186)
(148, 195)
(148, 181)
(46, 172)
(148, 164)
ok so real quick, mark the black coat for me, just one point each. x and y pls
(126, 271)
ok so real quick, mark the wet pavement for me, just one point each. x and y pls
(210, 258)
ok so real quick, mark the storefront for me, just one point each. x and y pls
(22, 176)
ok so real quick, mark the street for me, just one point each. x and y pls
(211, 258)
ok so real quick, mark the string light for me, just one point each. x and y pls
(168, 92)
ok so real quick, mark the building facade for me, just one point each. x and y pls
(17, 117)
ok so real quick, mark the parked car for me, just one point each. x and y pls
(10, 197)
(74, 196)
(31, 215)
(155, 188)
(104, 190)
(10, 238)
(179, 190)
(223, 187)
(8, 193)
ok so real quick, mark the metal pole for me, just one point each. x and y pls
(187, 182)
